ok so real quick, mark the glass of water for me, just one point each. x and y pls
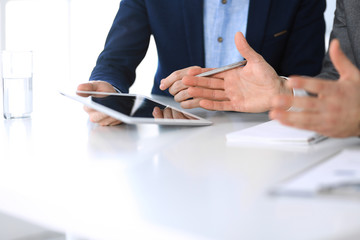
(17, 83)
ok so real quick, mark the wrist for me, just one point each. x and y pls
(290, 92)
(284, 90)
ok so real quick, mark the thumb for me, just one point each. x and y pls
(95, 86)
(245, 50)
(85, 87)
(341, 62)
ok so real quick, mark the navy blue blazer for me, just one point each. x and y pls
(289, 34)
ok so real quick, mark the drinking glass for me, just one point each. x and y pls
(17, 83)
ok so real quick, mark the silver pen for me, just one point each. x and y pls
(222, 69)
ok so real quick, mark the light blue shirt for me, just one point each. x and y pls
(222, 19)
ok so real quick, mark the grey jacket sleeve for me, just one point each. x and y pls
(339, 31)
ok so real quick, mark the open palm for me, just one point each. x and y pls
(245, 89)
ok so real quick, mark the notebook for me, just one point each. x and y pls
(340, 175)
(274, 133)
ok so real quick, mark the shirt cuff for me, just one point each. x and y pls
(296, 93)
(300, 93)
(116, 89)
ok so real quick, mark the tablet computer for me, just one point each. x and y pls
(135, 109)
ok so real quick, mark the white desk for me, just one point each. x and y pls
(149, 182)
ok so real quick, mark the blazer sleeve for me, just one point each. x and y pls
(305, 47)
(340, 32)
(125, 46)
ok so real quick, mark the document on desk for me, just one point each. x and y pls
(338, 176)
(272, 132)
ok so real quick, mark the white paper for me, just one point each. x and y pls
(343, 167)
(273, 132)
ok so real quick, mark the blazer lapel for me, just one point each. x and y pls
(257, 19)
(194, 30)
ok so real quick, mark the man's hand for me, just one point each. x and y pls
(244, 89)
(96, 116)
(335, 112)
(178, 89)
(169, 113)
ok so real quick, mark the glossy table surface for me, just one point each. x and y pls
(150, 182)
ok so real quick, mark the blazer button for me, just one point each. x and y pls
(224, 1)
(220, 39)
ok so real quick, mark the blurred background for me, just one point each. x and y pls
(66, 37)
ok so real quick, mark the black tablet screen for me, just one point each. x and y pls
(139, 106)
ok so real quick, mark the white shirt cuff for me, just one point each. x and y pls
(300, 92)
(297, 93)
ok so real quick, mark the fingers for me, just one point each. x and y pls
(323, 123)
(101, 118)
(211, 94)
(201, 92)
(303, 120)
(191, 97)
(85, 87)
(95, 86)
(309, 104)
(342, 64)
(95, 116)
(216, 105)
(157, 113)
(196, 71)
(182, 96)
(178, 115)
(173, 77)
(168, 113)
(211, 88)
(177, 87)
(245, 50)
(191, 103)
(313, 85)
(205, 82)
(109, 121)
(304, 103)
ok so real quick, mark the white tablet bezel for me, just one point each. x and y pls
(136, 120)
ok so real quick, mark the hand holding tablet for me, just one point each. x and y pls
(95, 116)
(107, 107)
(135, 109)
